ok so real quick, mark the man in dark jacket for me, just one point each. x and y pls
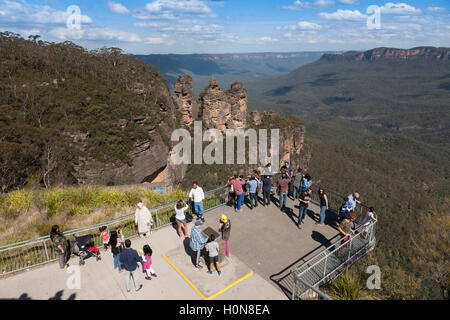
(129, 259)
(267, 184)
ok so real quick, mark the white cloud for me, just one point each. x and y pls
(323, 3)
(344, 15)
(190, 6)
(267, 39)
(154, 40)
(436, 9)
(95, 34)
(305, 25)
(297, 5)
(31, 14)
(348, 1)
(118, 8)
(399, 8)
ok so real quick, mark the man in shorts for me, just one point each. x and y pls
(212, 248)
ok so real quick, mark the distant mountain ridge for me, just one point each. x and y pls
(227, 68)
(384, 52)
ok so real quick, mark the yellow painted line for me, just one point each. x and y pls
(184, 277)
(231, 285)
(196, 290)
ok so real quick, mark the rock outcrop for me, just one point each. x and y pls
(186, 100)
(224, 109)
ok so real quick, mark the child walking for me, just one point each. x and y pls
(147, 263)
(225, 229)
(212, 248)
(105, 237)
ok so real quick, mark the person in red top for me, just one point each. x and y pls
(282, 190)
(237, 188)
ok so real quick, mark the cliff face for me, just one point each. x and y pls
(393, 53)
(185, 98)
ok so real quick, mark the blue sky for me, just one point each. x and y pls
(231, 26)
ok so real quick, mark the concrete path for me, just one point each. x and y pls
(264, 244)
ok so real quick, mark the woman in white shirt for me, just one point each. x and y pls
(180, 208)
(370, 217)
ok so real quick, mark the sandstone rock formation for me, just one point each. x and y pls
(186, 100)
(224, 109)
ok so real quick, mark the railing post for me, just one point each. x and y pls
(46, 251)
(295, 283)
(350, 249)
(157, 218)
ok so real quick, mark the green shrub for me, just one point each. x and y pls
(20, 200)
(346, 287)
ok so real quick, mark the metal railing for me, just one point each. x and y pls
(332, 261)
(35, 252)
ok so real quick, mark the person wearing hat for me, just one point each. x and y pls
(354, 199)
(143, 219)
(225, 229)
(197, 242)
(253, 188)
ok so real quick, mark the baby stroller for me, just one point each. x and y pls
(83, 248)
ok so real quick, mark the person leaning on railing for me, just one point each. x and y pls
(60, 245)
(345, 227)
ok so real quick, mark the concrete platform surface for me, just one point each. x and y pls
(264, 241)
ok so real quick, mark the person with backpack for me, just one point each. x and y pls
(231, 193)
(225, 229)
(345, 210)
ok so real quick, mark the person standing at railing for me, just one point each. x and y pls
(61, 246)
(143, 220)
(180, 217)
(297, 183)
(345, 228)
(353, 198)
(237, 186)
(231, 194)
(253, 188)
(306, 182)
(197, 195)
(304, 200)
(282, 190)
(370, 217)
(266, 187)
(197, 242)
(323, 206)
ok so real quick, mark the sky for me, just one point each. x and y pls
(231, 26)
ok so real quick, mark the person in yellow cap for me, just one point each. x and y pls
(225, 229)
